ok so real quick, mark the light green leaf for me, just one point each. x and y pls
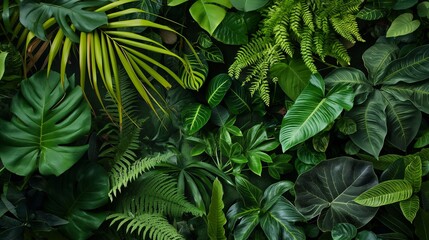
(173, 3)
(370, 14)
(377, 57)
(232, 30)
(3, 56)
(343, 231)
(403, 122)
(422, 228)
(195, 116)
(216, 218)
(217, 88)
(313, 111)
(324, 191)
(412, 68)
(209, 14)
(410, 207)
(403, 25)
(413, 173)
(48, 118)
(34, 14)
(194, 76)
(292, 77)
(385, 193)
(248, 5)
(371, 124)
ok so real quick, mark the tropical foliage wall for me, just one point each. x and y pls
(228, 119)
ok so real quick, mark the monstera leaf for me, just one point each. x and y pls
(325, 192)
(75, 195)
(47, 118)
(33, 14)
(313, 111)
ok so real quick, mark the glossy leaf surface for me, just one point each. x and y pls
(195, 116)
(385, 193)
(217, 88)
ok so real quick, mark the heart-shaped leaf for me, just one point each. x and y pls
(385, 193)
(325, 192)
(403, 25)
(209, 14)
(47, 118)
(33, 14)
(217, 88)
(195, 116)
(371, 123)
(313, 111)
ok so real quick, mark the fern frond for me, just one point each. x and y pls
(338, 51)
(125, 172)
(295, 18)
(319, 44)
(156, 193)
(307, 16)
(347, 27)
(154, 226)
(306, 49)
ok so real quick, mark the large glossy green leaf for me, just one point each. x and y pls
(324, 191)
(292, 77)
(413, 173)
(195, 116)
(47, 118)
(352, 77)
(403, 25)
(403, 122)
(248, 5)
(217, 88)
(209, 14)
(422, 228)
(414, 67)
(385, 193)
(237, 99)
(410, 207)
(75, 195)
(423, 140)
(249, 192)
(417, 93)
(404, 4)
(377, 57)
(313, 111)
(33, 14)
(273, 193)
(232, 30)
(216, 218)
(371, 123)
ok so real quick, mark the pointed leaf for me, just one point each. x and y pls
(422, 228)
(246, 226)
(194, 75)
(343, 231)
(371, 123)
(324, 191)
(273, 193)
(403, 122)
(217, 88)
(237, 99)
(216, 218)
(208, 14)
(3, 56)
(195, 116)
(369, 13)
(377, 57)
(410, 207)
(232, 30)
(413, 173)
(385, 193)
(403, 25)
(312, 112)
(423, 140)
(249, 192)
(417, 93)
(414, 67)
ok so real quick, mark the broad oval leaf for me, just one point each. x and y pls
(403, 122)
(371, 123)
(47, 118)
(324, 191)
(385, 193)
(403, 25)
(34, 14)
(248, 5)
(377, 57)
(292, 77)
(249, 192)
(410, 207)
(195, 116)
(246, 226)
(232, 30)
(313, 111)
(209, 14)
(369, 13)
(422, 228)
(343, 231)
(217, 88)
(414, 67)
(216, 218)
(273, 193)
(404, 4)
(3, 56)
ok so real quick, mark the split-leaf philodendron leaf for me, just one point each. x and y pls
(328, 191)
(47, 118)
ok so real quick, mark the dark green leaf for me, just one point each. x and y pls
(351, 77)
(343, 231)
(404, 4)
(280, 166)
(321, 142)
(422, 228)
(249, 192)
(417, 93)
(424, 195)
(351, 148)
(309, 156)
(423, 140)
(246, 226)
(237, 99)
(273, 193)
(195, 116)
(34, 14)
(377, 57)
(385, 193)
(326, 192)
(371, 124)
(220, 116)
(47, 118)
(346, 126)
(217, 88)
(396, 170)
(204, 40)
(366, 235)
(232, 30)
(216, 218)
(292, 77)
(248, 5)
(423, 9)
(212, 54)
(313, 112)
(369, 13)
